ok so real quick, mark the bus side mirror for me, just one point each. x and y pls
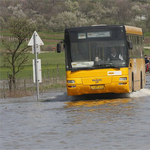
(130, 45)
(58, 48)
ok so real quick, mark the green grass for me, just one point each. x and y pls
(5, 33)
(147, 45)
(50, 62)
(147, 52)
(50, 39)
(147, 34)
(46, 43)
(51, 36)
(41, 34)
(50, 58)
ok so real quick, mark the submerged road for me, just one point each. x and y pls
(119, 122)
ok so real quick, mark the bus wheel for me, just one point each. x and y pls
(132, 82)
(141, 83)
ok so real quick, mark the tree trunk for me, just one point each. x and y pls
(10, 82)
(14, 82)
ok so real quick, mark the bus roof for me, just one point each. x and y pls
(129, 29)
(94, 26)
(133, 30)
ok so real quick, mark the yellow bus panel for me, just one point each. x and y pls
(98, 81)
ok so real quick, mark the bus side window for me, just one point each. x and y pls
(131, 39)
(141, 40)
(132, 52)
(138, 42)
(141, 48)
(138, 47)
(127, 38)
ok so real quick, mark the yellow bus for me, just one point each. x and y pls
(90, 66)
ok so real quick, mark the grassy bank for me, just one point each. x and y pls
(50, 39)
(53, 76)
(53, 64)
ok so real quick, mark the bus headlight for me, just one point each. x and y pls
(123, 79)
(72, 86)
(123, 83)
(70, 81)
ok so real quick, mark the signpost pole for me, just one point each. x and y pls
(36, 73)
(36, 42)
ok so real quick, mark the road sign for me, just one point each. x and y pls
(38, 40)
(39, 71)
(38, 50)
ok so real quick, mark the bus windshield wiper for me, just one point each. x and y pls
(82, 68)
(114, 66)
(100, 65)
(107, 65)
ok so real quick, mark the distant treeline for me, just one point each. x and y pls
(56, 15)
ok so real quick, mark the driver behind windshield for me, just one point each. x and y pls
(114, 55)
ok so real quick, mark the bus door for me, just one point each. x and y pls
(131, 76)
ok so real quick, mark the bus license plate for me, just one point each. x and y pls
(97, 87)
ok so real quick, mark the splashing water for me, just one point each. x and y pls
(142, 93)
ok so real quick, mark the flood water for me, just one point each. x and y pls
(59, 122)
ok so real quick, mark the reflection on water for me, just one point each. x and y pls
(91, 103)
(98, 111)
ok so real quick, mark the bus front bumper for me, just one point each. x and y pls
(122, 87)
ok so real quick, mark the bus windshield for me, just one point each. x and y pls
(99, 48)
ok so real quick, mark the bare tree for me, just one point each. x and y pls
(15, 54)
